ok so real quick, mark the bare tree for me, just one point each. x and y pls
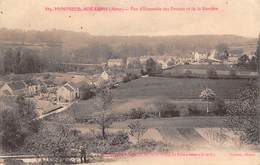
(137, 130)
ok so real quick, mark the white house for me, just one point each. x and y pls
(200, 56)
(67, 93)
(115, 62)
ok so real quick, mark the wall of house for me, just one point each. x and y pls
(65, 94)
(7, 88)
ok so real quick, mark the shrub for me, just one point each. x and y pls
(129, 77)
(170, 113)
(188, 73)
(151, 145)
(13, 162)
(126, 79)
(136, 113)
(232, 73)
(119, 138)
(114, 143)
(143, 72)
(193, 110)
(212, 73)
(220, 107)
(167, 109)
(87, 92)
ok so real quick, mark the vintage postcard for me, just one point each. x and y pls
(127, 82)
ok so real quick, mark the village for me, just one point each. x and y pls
(48, 90)
(146, 103)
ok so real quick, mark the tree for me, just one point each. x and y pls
(12, 134)
(136, 130)
(150, 66)
(207, 94)
(54, 140)
(87, 92)
(21, 61)
(243, 60)
(242, 115)
(104, 120)
(253, 63)
(18, 124)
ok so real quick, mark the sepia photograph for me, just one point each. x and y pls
(129, 82)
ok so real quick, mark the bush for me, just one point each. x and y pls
(143, 72)
(126, 79)
(188, 73)
(113, 143)
(13, 162)
(193, 110)
(220, 107)
(212, 73)
(119, 139)
(136, 113)
(170, 113)
(151, 145)
(129, 77)
(167, 109)
(233, 73)
(87, 92)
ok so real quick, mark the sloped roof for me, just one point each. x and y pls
(69, 87)
(16, 85)
(33, 82)
(49, 83)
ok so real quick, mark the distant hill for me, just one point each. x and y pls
(85, 48)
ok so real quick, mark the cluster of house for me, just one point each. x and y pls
(58, 91)
(164, 61)
(197, 57)
(214, 56)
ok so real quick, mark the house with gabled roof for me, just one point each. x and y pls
(13, 88)
(68, 92)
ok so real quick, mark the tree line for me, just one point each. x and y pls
(21, 61)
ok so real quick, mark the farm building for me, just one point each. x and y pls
(13, 88)
(67, 93)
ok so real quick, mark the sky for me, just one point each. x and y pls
(238, 17)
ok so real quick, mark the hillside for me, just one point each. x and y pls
(85, 48)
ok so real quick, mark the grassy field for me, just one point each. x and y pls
(176, 88)
(205, 66)
(177, 122)
(223, 67)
